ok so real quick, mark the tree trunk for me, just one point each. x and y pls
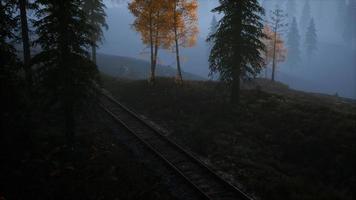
(266, 72)
(235, 89)
(69, 123)
(152, 72)
(274, 56)
(179, 78)
(93, 53)
(156, 46)
(236, 71)
(26, 43)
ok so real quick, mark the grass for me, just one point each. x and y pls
(277, 145)
(98, 166)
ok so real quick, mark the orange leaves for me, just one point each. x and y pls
(185, 20)
(165, 24)
(151, 21)
(156, 21)
(271, 40)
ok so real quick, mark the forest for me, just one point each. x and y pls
(178, 99)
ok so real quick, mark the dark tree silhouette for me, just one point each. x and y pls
(8, 58)
(66, 75)
(311, 39)
(293, 44)
(24, 5)
(306, 16)
(95, 10)
(9, 68)
(237, 43)
(277, 24)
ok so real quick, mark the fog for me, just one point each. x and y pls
(331, 70)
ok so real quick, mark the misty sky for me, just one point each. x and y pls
(332, 70)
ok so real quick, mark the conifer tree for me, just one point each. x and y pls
(293, 44)
(291, 9)
(311, 39)
(66, 75)
(348, 32)
(9, 68)
(23, 6)
(8, 58)
(237, 48)
(306, 16)
(19, 9)
(96, 16)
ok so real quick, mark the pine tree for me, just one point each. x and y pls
(8, 58)
(311, 39)
(66, 74)
(95, 11)
(348, 32)
(237, 48)
(293, 44)
(306, 16)
(20, 17)
(291, 9)
(24, 5)
(9, 68)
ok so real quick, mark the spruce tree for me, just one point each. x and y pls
(10, 95)
(20, 7)
(306, 16)
(311, 39)
(8, 60)
(95, 11)
(236, 52)
(23, 6)
(66, 75)
(291, 9)
(293, 44)
(348, 32)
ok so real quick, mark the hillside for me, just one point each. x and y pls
(131, 68)
(279, 144)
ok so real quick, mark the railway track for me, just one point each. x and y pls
(205, 181)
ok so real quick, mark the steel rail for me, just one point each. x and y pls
(229, 188)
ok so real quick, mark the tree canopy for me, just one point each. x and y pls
(66, 75)
(236, 52)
